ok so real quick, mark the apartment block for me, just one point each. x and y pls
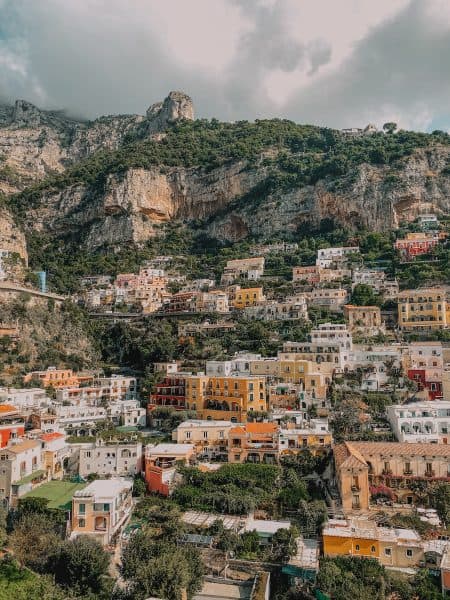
(425, 309)
(363, 320)
(332, 299)
(111, 458)
(161, 465)
(21, 470)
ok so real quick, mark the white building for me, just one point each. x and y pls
(327, 257)
(122, 459)
(427, 422)
(25, 399)
(21, 470)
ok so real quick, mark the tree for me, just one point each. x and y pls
(363, 295)
(23, 584)
(139, 486)
(81, 565)
(390, 127)
(33, 540)
(284, 545)
(440, 499)
(154, 566)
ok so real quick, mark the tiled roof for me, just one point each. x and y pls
(363, 450)
(25, 445)
(49, 437)
(4, 408)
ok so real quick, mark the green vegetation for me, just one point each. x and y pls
(22, 584)
(361, 578)
(58, 493)
(304, 154)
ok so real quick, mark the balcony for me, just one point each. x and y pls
(430, 474)
(407, 472)
(356, 488)
(387, 472)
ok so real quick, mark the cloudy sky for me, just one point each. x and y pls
(332, 62)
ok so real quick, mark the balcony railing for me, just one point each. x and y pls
(430, 473)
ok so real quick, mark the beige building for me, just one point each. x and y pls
(365, 468)
(363, 319)
(210, 438)
(332, 299)
(101, 509)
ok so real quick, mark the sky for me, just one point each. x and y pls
(339, 63)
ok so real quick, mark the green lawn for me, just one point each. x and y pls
(58, 493)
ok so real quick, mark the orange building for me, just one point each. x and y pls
(57, 378)
(253, 442)
(231, 398)
(161, 465)
(12, 424)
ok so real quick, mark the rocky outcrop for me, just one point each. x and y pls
(176, 107)
(35, 143)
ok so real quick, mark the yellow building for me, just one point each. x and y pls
(313, 434)
(210, 438)
(231, 398)
(290, 368)
(424, 309)
(243, 297)
(398, 548)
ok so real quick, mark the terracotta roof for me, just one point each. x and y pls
(25, 445)
(7, 408)
(49, 437)
(365, 449)
(346, 455)
(255, 428)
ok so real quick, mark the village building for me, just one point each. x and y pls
(21, 470)
(332, 299)
(161, 465)
(424, 309)
(364, 320)
(101, 509)
(392, 547)
(367, 468)
(210, 438)
(108, 458)
(253, 442)
(416, 422)
(245, 268)
(336, 257)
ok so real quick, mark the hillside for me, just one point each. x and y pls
(117, 182)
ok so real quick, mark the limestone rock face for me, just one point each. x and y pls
(36, 143)
(177, 106)
(26, 113)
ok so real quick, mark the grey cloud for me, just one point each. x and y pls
(401, 67)
(108, 60)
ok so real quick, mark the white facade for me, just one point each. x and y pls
(26, 398)
(109, 458)
(427, 422)
(331, 298)
(326, 257)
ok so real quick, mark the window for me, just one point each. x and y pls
(409, 552)
(188, 435)
(205, 434)
(357, 547)
(388, 551)
(372, 549)
(82, 509)
(81, 522)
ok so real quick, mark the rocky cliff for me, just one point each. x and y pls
(133, 206)
(35, 143)
(231, 180)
